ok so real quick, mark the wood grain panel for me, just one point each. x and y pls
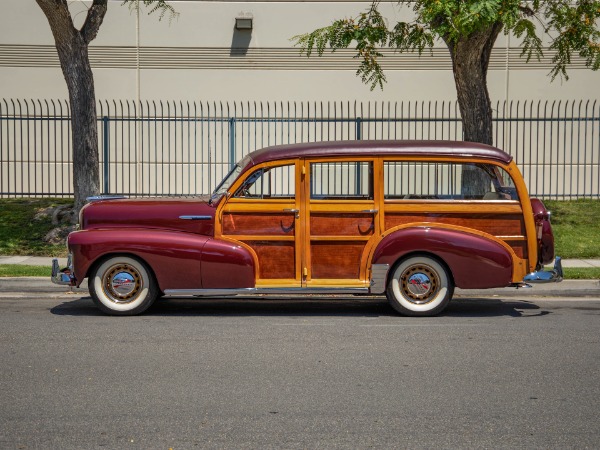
(258, 224)
(336, 259)
(520, 248)
(341, 224)
(503, 225)
(275, 259)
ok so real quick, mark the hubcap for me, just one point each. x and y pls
(420, 283)
(122, 283)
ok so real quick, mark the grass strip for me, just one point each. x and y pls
(18, 270)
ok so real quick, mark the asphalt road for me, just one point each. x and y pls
(493, 373)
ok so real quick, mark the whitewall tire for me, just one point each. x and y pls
(123, 286)
(419, 286)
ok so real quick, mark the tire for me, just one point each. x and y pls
(419, 286)
(123, 286)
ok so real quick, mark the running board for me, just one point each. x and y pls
(259, 291)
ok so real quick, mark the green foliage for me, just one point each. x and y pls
(19, 270)
(154, 5)
(571, 27)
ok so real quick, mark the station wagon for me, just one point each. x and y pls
(411, 220)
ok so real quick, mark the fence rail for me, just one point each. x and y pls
(185, 148)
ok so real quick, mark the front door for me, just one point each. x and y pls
(341, 221)
(263, 213)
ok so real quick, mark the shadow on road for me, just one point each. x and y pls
(313, 307)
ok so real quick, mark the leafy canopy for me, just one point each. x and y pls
(570, 27)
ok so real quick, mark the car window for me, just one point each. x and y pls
(270, 182)
(447, 181)
(341, 180)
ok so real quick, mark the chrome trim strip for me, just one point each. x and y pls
(378, 278)
(542, 276)
(196, 217)
(253, 291)
(97, 198)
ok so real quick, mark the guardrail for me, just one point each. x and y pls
(185, 148)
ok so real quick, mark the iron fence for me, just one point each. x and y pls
(185, 148)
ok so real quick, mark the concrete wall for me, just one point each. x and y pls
(200, 56)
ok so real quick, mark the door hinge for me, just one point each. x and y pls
(303, 170)
(305, 272)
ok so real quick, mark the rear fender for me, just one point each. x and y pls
(475, 261)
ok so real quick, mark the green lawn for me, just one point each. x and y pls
(576, 226)
(21, 233)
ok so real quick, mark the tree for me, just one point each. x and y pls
(469, 29)
(72, 47)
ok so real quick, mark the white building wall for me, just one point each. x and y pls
(200, 56)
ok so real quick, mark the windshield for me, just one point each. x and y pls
(230, 178)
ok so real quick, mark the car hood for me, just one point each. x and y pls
(154, 213)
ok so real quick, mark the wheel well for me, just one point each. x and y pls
(424, 254)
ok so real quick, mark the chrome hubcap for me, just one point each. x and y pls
(420, 283)
(122, 283)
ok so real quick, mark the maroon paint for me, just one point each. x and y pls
(546, 243)
(226, 265)
(475, 262)
(154, 213)
(452, 149)
(174, 257)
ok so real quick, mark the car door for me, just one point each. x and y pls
(341, 220)
(263, 214)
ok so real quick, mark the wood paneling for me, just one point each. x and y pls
(276, 259)
(494, 224)
(341, 224)
(336, 259)
(278, 224)
(520, 248)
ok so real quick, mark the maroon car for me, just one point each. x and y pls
(408, 219)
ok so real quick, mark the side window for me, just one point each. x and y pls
(447, 181)
(341, 181)
(269, 183)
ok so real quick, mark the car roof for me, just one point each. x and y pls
(453, 149)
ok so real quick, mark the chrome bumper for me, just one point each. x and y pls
(552, 276)
(64, 276)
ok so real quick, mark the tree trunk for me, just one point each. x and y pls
(470, 59)
(72, 48)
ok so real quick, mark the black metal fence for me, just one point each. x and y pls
(185, 148)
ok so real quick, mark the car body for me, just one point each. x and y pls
(409, 219)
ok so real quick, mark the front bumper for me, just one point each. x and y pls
(63, 276)
(542, 276)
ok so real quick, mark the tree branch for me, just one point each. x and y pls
(94, 19)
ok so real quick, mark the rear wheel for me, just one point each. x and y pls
(419, 286)
(123, 286)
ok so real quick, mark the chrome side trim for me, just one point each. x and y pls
(64, 276)
(196, 217)
(553, 276)
(253, 291)
(378, 277)
(97, 198)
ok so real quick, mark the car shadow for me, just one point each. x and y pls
(311, 307)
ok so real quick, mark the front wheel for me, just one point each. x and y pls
(123, 286)
(419, 286)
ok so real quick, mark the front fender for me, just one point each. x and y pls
(174, 257)
(476, 262)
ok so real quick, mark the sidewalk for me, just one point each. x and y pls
(46, 261)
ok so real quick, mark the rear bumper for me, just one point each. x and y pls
(546, 276)
(63, 276)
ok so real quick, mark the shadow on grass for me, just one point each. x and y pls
(312, 307)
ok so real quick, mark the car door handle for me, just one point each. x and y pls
(293, 210)
(372, 211)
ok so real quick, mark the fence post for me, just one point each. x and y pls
(358, 121)
(232, 160)
(105, 144)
